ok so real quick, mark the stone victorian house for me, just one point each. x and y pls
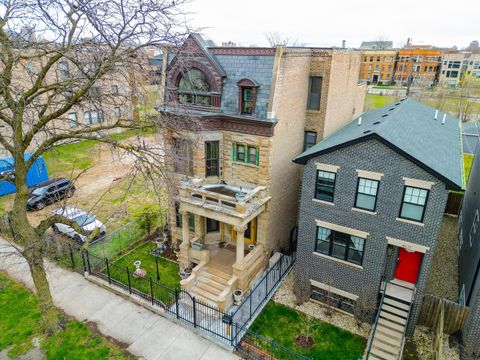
(234, 118)
(372, 201)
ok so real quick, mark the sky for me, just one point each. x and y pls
(326, 23)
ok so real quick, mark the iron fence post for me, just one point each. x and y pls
(71, 257)
(88, 263)
(156, 265)
(108, 271)
(129, 284)
(250, 306)
(151, 288)
(266, 283)
(176, 303)
(194, 312)
(82, 253)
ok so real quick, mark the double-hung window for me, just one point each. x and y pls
(212, 158)
(340, 245)
(309, 140)
(72, 117)
(191, 222)
(325, 185)
(414, 203)
(366, 198)
(245, 154)
(314, 92)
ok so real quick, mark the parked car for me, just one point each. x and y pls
(84, 219)
(50, 191)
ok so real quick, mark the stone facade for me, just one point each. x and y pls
(364, 281)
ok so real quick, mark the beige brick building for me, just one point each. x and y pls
(236, 118)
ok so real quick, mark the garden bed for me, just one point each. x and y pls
(307, 335)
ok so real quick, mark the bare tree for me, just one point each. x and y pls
(57, 55)
(275, 39)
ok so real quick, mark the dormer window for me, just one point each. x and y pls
(194, 88)
(247, 96)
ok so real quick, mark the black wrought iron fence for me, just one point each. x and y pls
(228, 327)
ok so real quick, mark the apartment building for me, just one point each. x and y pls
(234, 117)
(451, 68)
(378, 66)
(418, 65)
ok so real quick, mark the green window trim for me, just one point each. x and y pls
(246, 153)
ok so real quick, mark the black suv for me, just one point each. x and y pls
(49, 192)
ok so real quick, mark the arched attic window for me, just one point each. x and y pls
(247, 96)
(194, 88)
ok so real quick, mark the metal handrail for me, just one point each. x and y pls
(406, 325)
(377, 317)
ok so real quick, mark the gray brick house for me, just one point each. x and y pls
(372, 201)
(469, 259)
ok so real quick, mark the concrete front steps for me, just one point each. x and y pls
(210, 284)
(389, 329)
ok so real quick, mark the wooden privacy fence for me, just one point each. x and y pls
(438, 333)
(454, 314)
(454, 202)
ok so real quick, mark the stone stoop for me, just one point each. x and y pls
(390, 328)
(210, 284)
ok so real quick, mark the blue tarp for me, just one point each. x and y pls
(36, 174)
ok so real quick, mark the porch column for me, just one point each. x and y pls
(185, 229)
(240, 242)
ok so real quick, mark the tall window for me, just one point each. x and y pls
(194, 88)
(183, 157)
(212, 225)
(72, 117)
(325, 186)
(64, 70)
(212, 158)
(191, 222)
(366, 194)
(414, 202)
(340, 245)
(118, 112)
(114, 90)
(309, 139)
(245, 154)
(314, 93)
(247, 100)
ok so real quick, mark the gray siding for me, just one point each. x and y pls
(257, 68)
(370, 156)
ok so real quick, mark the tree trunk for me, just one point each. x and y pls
(50, 315)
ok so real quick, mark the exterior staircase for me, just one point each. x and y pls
(210, 284)
(388, 332)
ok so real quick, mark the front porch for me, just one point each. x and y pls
(223, 239)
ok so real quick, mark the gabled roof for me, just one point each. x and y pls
(409, 128)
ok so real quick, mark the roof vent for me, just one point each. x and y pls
(359, 121)
(391, 109)
(397, 104)
(444, 118)
(384, 115)
(436, 114)
(376, 123)
(402, 99)
(367, 131)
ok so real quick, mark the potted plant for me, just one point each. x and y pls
(237, 296)
(251, 247)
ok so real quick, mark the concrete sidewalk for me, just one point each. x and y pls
(147, 334)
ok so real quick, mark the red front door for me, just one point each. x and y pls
(408, 265)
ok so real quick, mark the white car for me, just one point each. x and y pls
(85, 220)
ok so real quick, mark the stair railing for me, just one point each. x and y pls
(374, 326)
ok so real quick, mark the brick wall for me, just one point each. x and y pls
(365, 282)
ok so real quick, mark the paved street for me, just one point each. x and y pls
(147, 335)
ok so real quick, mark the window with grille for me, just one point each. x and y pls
(325, 186)
(340, 245)
(366, 198)
(414, 203)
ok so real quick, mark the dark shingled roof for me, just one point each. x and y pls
(410, 129)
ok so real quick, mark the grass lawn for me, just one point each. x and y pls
(63, 159)
(20, 323)
(467, 165)
(168, 270)
(376, 101)
(330, 342)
